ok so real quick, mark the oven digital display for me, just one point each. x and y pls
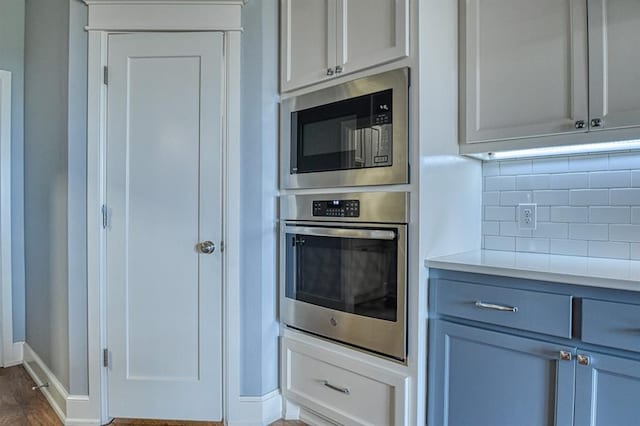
(337, 208)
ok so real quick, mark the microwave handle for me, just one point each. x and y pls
(367, 234)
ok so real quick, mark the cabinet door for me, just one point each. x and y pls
(308, 41)
(525, 72)
(607, 391)
(371, 32)
(614, 63)
(480, 377)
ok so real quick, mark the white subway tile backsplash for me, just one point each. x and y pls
(625, 197)
(499, 243)
(524, 183)
(500, 213)
(500, 183)
(551, 230)
(569, 247)
(511, 229)
(588, 205)
(586, 163)
(513, 198)
(551, 198)
(589, 197)
(609, 249)
(544, 214)
(491, 198)
(610, 179)
(551, 165)
(590, 232)
(609, 214)
(490, 228)
(569, 181)
(515, 167)
(630, 233)
(532, 245)
(570, 214)
(624, 161)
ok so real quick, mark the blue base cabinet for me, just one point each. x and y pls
(489, 378)
(505, 352)
(607, 390)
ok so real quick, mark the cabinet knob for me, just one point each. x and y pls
(565, 356)
(329, 71)
(583, 360)
(596, 122)
(339, 69)
(580, 124)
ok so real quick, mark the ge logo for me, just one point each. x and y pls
(384, 107)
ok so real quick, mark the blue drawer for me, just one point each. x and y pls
(612, 324)
(534, 311)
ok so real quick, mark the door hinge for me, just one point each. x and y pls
(105, 75)
(105, 357)
(221, 246)
(104, 216)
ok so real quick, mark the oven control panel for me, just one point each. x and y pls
(337, 208)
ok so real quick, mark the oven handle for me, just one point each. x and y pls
(366, 234)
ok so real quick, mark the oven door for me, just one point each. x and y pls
(347, 283)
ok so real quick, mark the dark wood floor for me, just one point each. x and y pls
(21, 406)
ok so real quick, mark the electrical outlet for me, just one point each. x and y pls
(527, 216)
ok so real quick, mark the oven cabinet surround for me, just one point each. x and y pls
(568, 355)
(548, 73)
(323, 39)
(326, 383)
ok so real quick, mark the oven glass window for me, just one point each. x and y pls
(357, 276)
(350, 134)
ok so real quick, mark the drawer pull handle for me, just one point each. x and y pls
(500, 308)
(345, 391)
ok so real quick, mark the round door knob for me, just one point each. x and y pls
(206, 247)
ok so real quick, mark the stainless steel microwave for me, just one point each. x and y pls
(352, 134)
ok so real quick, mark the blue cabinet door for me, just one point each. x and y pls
(607, 391)
(483, 378)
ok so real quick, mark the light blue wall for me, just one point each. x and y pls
(12, 59)
(46, 59)
(259, 123)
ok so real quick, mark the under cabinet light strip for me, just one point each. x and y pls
(562, 150)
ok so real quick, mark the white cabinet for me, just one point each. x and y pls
(323, 39)
(548, 72)
(339, 385)
(614, 64)
(525, 68)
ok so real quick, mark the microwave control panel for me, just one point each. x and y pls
(337, 208)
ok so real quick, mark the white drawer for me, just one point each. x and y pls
(343, 389)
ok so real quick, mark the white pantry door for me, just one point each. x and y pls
(163, 196)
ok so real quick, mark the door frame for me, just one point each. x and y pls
(7, 356)
(106, 17)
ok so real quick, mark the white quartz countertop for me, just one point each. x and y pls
(588, 271)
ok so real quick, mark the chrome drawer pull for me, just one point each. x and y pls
(345, 391)
(501, 308)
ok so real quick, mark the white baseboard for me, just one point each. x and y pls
(14, 355)
(258, 410)
(71, 409)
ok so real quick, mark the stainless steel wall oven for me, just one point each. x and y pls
(347, 135)
(344, 268)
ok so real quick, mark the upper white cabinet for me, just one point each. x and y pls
(548, 72)
(323, 39)
(614, 64)
(526, 68)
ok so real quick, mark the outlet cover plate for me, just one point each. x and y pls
(527, 216)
